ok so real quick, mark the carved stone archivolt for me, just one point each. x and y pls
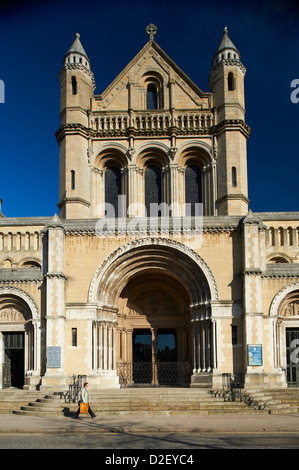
(285, 302)
(289, 307)
(13, 310)
(18, 304)
(114, 272)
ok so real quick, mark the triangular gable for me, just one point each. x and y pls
(152, 58)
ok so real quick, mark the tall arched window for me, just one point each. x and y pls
(151, 97)
(153, 189)
(193, 192)
(112, 189)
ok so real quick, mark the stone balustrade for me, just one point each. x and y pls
(152, 121)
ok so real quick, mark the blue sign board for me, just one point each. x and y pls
(53, 356)
(255, 356)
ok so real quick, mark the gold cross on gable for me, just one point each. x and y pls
(151, 30)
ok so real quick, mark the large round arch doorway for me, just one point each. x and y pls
(158, 291)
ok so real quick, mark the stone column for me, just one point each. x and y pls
(105, 349)
(175, 184)
(131, 190)
(254, 321)
(37, 347)
(202, 346)
(55, 375)
(98, 193)
(154, 332)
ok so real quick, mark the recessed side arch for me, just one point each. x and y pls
(20, 340)
(20, 294)
(192, 151)
(149, 152)
(284, 311)
(274, 307)
(110, 153)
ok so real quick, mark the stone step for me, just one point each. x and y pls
(164, 402)
(38, 412)
(55, 406)
(203, 412)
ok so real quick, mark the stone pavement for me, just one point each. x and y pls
(10, 423)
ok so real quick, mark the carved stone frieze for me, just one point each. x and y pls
(291, 309)
(13, 314)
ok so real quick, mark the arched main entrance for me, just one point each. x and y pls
(154, 306)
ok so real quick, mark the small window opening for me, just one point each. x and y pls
(231, 82)
(234, 335)
(73, 179)
(74, 337)
(74, 86)
(234, 176)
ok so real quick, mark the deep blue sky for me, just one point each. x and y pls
(35, 36)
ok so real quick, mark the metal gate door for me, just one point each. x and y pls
(142, 356)
(292, 345)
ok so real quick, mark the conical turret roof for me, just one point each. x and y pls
(226, 43)
(226, 50)
(77, 48)
(76, 59)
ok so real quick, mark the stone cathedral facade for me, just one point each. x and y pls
(154, 272)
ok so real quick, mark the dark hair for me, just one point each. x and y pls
(85, 383)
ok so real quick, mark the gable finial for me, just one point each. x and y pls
(151, 30)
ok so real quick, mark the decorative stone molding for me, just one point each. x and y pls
(280, 296)
(114, 258)
(52, 275)
(72, 66)
(24, 296)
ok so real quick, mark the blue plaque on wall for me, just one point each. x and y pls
(53, 356)
(255, 356)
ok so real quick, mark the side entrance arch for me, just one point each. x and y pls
(18, 337)
(154, 313)
(285, 308)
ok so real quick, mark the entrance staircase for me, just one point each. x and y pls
(274, 401)
(161, 401)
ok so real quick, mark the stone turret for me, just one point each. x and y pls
(227, 85)
(77, 86)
